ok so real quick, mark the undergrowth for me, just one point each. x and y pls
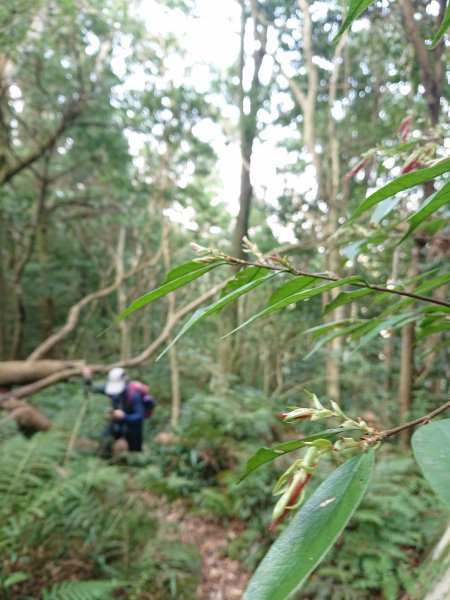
(73, 526)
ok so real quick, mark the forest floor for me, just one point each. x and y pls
(222, 577)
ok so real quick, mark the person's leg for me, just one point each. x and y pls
(134, 439)
(109, 435)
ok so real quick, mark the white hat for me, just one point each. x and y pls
(117, 381)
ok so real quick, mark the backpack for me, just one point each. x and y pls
(147, 400)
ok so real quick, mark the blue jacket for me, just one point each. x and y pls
(133, 407)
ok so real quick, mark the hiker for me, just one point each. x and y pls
(131, 404)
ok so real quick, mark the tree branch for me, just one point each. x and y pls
(329, 277)
(420, 420)
(66, 374)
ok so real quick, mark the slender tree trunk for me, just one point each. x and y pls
(173, 360)
(333, 364)
(125, 340)
(406, 380)
(229, 349)
(431, 76)
(390, 341)
(3, 293)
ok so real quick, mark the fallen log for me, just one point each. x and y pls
(20, 372)
(29, 419)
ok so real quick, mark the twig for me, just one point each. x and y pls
(377, 288)
(420, 420)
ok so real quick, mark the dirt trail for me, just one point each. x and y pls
(222, 577)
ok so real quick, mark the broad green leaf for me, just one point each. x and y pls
(297, 297)
(442, 29)
(345, 297)
(177, 278)
(312, 531)
(354, 10)
(431, 447)
(217, 306)
(265, 455)
(404, 182)
(434, 203)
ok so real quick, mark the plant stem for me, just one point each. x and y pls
(421, 420)
(328, 277)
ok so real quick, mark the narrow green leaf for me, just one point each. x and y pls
(177, 278)
(16, 577)
(217, 306)
(319, 330)
(265, 455)
(352, 250)
(312, 531)
(434, 203)
(340, 332)
(383, 209)
(439, 325)
(297, 297)
(355, 9)
(376, 326)
(423, 288)
(290, 287)
(345, 297)
(402, 183)
(431, 447)
(442, 29)
(243, 277)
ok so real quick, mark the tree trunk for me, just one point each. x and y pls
(406, 378)
(229, 349)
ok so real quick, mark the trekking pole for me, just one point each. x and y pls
(77, 424)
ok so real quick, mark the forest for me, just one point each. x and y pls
(172, 171)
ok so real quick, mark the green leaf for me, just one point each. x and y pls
(431, 447)
(442, 29)
(439, 325)
(434, 203)
(355, 9)
(243, 277)
(352, 250)
(345, 297)
(264, 455)
(217, 306)
(177, 278)
(290, 287)
(340, 332)
(376, 326)
(312, 531)
(383, 209)
(286, 300)
(402, 183)
(319, 330)
(16, 577)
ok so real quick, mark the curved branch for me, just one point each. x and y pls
(75, 311)
(66, 374)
